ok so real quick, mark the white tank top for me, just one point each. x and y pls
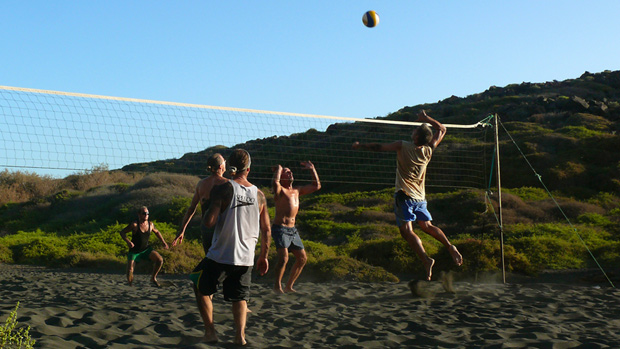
(237, 228)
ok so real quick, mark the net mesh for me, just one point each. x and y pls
(69, 132)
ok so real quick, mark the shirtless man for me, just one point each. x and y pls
(139, 248)
(217, 166)
(283, 230)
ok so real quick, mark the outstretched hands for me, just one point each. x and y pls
(307, 165)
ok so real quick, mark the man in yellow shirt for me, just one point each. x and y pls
(410, 197)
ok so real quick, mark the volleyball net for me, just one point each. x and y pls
(67, 132)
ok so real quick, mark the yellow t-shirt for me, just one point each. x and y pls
(411, 161)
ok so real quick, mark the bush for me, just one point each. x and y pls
(347, 268)
(10, 338)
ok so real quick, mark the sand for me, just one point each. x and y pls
(79, 309)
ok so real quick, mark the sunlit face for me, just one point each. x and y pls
(287, 175)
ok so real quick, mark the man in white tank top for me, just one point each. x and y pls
(410, 197)
(238, 210)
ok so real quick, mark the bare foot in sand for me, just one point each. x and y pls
(240, 341)
(428, 265)
(277, 290)
(210, 337)
(289, 290)
(456, 256)
(156, 283)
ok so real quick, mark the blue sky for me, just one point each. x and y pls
(313, 57)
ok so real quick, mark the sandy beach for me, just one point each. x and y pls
(78, 309)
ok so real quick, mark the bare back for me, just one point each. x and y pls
(203, 190)
(287, 206)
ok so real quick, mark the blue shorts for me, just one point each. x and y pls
(236, 280)
(407, 209)
(286, 237)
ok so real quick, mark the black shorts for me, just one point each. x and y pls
(236, 279)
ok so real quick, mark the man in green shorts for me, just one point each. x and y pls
(139, 248)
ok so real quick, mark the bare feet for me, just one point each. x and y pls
(456, 256)
(210, 337)
(278, 290)
(156, 283)
(240, 341)
(428, 265)
(289, 290)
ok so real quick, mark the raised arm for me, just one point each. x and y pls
(316, 183)
(395, 146)
(440, 129)
(262, 264)
(275, 183)
(191, 210)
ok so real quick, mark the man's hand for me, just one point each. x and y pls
(262, 265)
(130, 244)
(165, 246)
(178, 240)
(422, 117)
(276, 168)
(307, 165)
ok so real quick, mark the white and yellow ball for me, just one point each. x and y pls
(370, 19)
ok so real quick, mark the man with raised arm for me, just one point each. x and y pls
(139, 248)
(410, 197)
(238, 210)
(285, 235)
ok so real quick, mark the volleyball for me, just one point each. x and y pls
(370, 19)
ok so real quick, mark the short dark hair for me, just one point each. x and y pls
(425, 134)
(214, 162)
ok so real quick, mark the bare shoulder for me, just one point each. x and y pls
(261, 197)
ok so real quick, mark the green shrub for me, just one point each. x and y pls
(347, 268)
(528, 193)
(6, 255)
(11, 338)
(49, 250)
(548, 252)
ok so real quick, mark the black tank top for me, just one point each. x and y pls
(140, 239)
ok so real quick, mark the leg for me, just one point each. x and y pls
(130, 266)
(158, 261)
(280, 267)
(300, 261)
(406, 231)
(205, 306)
(240, 314)
(439, 235)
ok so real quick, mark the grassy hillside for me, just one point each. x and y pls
(347, 235)
(567, 130)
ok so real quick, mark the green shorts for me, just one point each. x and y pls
(139, 256)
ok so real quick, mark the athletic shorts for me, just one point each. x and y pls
(407, 209)
(236, 279)
(206, 235)
(139, 256)
(286, 237)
